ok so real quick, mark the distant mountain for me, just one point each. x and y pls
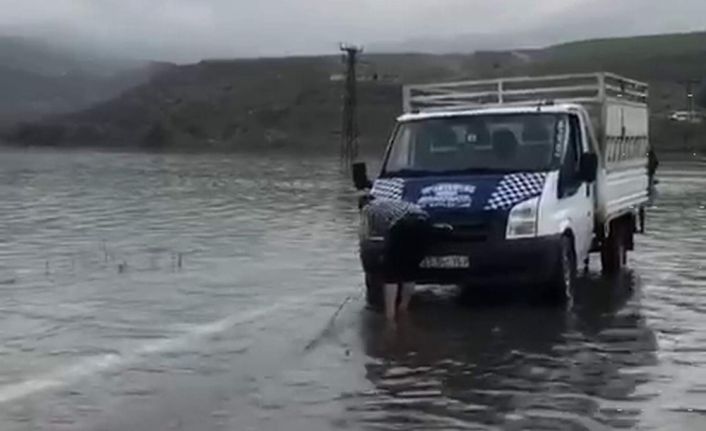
(37, 78)
(296, 102)
(548, 34)
(458, 44)
(43, 58)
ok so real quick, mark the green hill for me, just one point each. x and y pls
(637, 47)
(242, 103)
(296, 102)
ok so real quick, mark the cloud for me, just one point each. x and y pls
(187, 30)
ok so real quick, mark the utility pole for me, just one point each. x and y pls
(349, 126)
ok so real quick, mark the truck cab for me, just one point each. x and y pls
(509, 188)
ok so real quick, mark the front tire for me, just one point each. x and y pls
(614, 251)
(563, 280)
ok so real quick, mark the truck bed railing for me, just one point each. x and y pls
(524, 91)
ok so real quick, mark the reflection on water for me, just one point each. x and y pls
(628, 354)
(516, 366)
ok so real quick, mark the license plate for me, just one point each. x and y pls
(446, 262)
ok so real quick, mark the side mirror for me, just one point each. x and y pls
(360, 176)
(589, 167)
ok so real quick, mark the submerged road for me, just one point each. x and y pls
(174, 292)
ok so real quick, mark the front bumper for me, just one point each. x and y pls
(521, 261)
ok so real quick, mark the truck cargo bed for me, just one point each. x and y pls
(616, 107)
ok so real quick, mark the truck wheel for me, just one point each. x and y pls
(614, 250)
(374, 291)
(562, 283)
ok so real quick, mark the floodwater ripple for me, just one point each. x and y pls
(147, 291)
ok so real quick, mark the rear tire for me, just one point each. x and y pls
(374, 291)
(561, 285)
(614, 250)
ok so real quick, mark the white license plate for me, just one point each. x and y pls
(446, 262)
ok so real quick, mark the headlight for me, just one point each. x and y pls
(522, 221)
(368, 231)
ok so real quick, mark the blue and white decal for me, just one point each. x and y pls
(447, 195)
(474, 194)
(388, 188)
(515, 188)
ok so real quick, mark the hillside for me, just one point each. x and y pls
(37, 78)
(243, 103)
(637, 47)
(295, 103)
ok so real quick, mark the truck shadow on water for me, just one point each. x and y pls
(513, 366)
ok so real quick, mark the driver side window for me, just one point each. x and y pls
(570, 172)
(401, 152)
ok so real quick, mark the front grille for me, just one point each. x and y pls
(463, 232)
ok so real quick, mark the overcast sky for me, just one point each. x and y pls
(186, 30)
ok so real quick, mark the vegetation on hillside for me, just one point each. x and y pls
(296, 102)
(244, 103)
(638, 47)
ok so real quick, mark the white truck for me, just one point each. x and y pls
(522, 179)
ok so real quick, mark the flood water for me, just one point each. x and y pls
(185, 292)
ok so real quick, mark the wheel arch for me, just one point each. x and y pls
(567, 232)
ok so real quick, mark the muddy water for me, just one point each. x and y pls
(151, 292)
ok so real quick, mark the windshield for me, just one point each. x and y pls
(495, 143)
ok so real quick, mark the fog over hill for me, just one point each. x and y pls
(39, 78)
(295, 102)
(76, 72)
(187, 31)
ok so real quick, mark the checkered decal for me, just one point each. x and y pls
(388, 188)
(515, 188)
